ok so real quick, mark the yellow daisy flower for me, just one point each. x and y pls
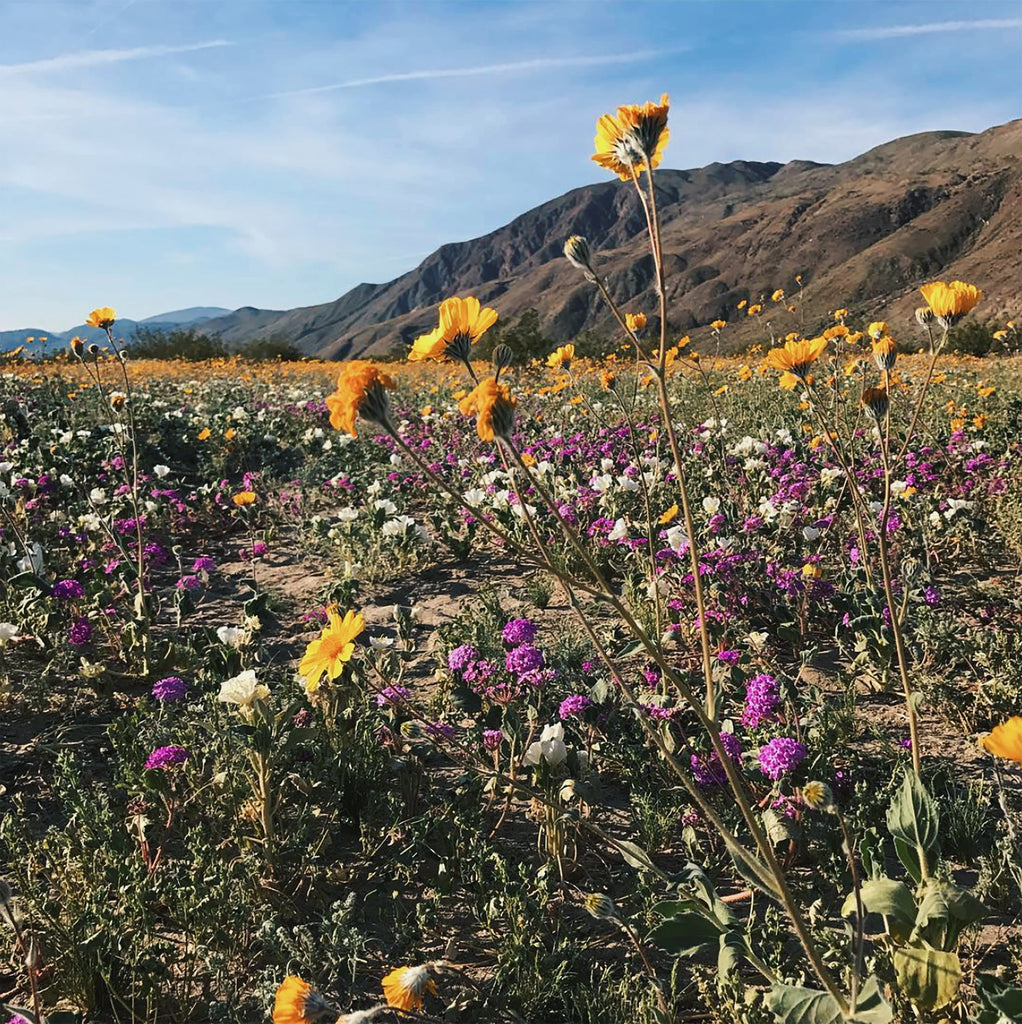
(328, 653)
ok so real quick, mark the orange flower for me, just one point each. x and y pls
(670, 514)
(778, 295)
(244, 498)
(1005, 740)
(796, 357)
(103, 317)
(562, 357)
(297, 1002)
(755, 309)
(360, 390)
(493, 407)
(462, 323)
(878, 328)
(885, 351)
(950, 302)
(204, 434)
(875, 402)
(624, 142)
(405, 987)
(635, 322)
(718, 325)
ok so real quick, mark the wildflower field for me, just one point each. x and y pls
(665, 688)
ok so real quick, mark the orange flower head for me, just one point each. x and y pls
(885, 352)
(778, 295)
(878, 328)
(297, 1002)
(1005, 740)
(755, 309)
(796, 357)
(331, 650)
(718, 325)
(405, 987)
(625, 141)
(493, 407)
(244, 498)
(950, 302)
(669, 515)
(635, 322)
(462, 323)
(360, 391)
(103, 317)
(875, 402)
(562, 357)
(840, 314)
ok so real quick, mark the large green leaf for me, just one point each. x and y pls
(914, 823)
(929, 977)
(884, 896)
(686, 934)
(944, 910)
(809, 1006)
(999, 996)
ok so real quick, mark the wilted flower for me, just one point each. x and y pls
(328, 654)
(405, 987)
(624, 142)
(243, 690)
(924, 316)
(885, 352)
(818, 796)
(876, 402)
(360, 392)
(1005, 740)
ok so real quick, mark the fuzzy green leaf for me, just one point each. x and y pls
(929, 977)
(914, 823)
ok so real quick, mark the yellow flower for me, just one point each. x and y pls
(493, 407)
(875, 402)
(462, 323)
(878, 328)
(1005, 740)
(360, 390)
(837, 331)
(778, 295)
(635, 321)
(840, 314)
(230, 433)
(744, 373)
(244, 498)
(328, 653)
(796, 357)
(103, 317)
(950, 302)
(405, 987)
(743, 304)
(562, 357)
(979, 422)
(885, 352)
(718, 325)
(607, 379)
(625, 141)
(668, 515)
(985, 390)
(810, 571)
(297, 1002)
(204, 434)
(755, 309)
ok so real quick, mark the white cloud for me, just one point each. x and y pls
(99, 58)
(899, 31)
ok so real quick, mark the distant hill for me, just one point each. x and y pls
(192, 317)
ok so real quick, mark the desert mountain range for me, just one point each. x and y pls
(862, 234)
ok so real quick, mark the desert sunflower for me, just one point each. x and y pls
(1005, 740)
(636, 133)
(562, 357)
(493, 407)
(360, 391)
(885, 352)
(103, 317)
(876, 402)
(297, 1002)
(462, 323)
(406, 987)
(950, 302)
(331, 650)
(796, 357)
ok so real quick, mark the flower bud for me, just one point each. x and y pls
(818, 796)
(925, 316)
(502, 358)
(578, 254)
(601, 906)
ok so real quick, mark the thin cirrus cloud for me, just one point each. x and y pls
(931, 28)
(98, 58)
(535, 64)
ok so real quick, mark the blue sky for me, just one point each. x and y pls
(156, 154)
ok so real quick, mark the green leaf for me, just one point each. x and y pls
(998, 995)
(929, 977)
(777, 828)
(871, 1007)
(945, 909)
(808, 1006)
(892, 899)
(636, 856)
(914, 823)
(685, 934)
(732, 948)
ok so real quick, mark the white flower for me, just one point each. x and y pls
(397, 527)
(956, 505)
(475, 496)
(607, 465)
(161, 471)
(677, 540)
(601, 483)
(8, 632)
(66, 481)
(550, 747)
(758, 639)
(239, 415)
(97, 495)
(711, 505)
(230, 636)
(828, 476)
(620, 531)
(385, 505)
(244, 691)
(626, 483)
(347, 514)
(395, 459)
(810, 533)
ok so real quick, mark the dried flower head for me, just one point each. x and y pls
(405, 987)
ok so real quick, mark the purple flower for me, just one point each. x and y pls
(574, 705)
(80, 632)
(17, 1019)
(441, 730)
(169, 689)
(931, 595)
(492, 739)
(204, 564)
(259, 548)
(519, 631)
(708, 771)
(781, 755)
(392, 695)
(523, 659)
(729, 657)
(303, 719)
(461, 657)
(68, 590)
(166, 758)
(761, 700)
